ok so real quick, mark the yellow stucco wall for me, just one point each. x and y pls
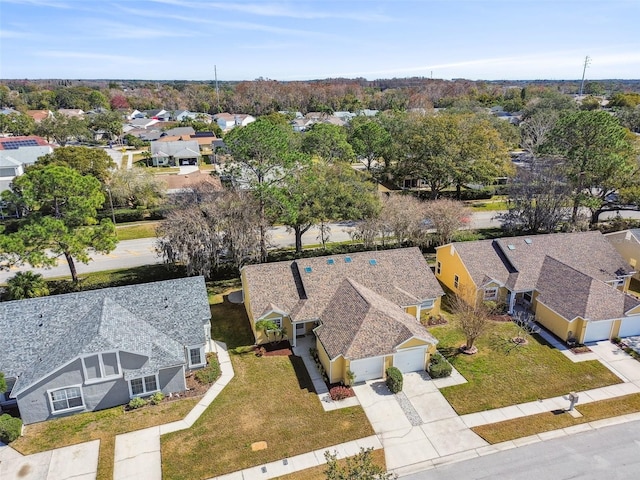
(413, 342)
(412, 310)
(261, 336)
(450, 265)
(557, 324)
(336, 370)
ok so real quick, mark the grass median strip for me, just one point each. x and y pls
(317, 473)
(545, 422)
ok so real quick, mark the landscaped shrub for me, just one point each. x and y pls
(340, 393)
(137, 402)
(156, 398)
(10, 428)
(439, 367)
(211, 372)
(394, 379)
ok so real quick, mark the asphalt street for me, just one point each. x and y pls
(611, 452)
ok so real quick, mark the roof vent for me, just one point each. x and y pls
(528, 241)
(511, 247)
(373, 261)
(330, 261)
(347, 259)
(308, 269)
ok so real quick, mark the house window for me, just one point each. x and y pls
(64, 399)
(527, 296)
(101, 367)
(456, 281)
(277, 321)
(438, 268)
(143, 385)
(491, 293)
(427, 304)
(195, 356)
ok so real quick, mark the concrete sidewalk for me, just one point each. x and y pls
(137, 454)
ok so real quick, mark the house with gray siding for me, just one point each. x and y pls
(85, 351)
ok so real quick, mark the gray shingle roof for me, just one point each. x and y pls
(359, 323)
(402, 276)
(153, 319)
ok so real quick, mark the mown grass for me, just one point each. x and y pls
(137, 230)
(494, 204)
(317, 473)
(103, 425)
(269, 399)
(544, 422)
(500, 375)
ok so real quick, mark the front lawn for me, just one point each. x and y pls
(134, 231)
(103, 425)
(498, 379)
(269, 399)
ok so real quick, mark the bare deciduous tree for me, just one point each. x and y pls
(446, 217)
(402, 216)
(472, 317)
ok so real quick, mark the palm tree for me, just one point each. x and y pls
(27, 285)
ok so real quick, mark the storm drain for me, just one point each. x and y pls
(409, 411)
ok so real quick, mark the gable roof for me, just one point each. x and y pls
(359, 323)
(180, 148)
(304, 287)
(516, 261)
(152, 319)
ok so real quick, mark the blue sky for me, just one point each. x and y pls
(306, 39)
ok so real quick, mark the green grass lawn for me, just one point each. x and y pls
(494, 204)
(317, 473)
(103, 425)
(137, 230)
(269, 399)
(498, 379)
(544, 422)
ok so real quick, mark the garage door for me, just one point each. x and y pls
(598, 331)
(630, 327)
(367, 368)
(409, 360)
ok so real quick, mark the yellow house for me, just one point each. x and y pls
(575, 283)
(362, 310)
(627, 243)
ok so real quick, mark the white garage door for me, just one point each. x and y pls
(367, 368)
(598, 331)
(409, 360)
(630, 326)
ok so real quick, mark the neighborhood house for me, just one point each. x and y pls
(362, 309)
(97, 349)
(627, 243)
(575, 283)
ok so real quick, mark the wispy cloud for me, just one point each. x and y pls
(14, 34)
(118, 30)
(287, 10)
(40, 3)
(91, 56)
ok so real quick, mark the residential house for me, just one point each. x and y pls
(39, 115)
(16, 153)
(142, 122)
(157, 113)
(185, 185)
(72, 112)
(362, 310)
(97, 349)
(574, 283)
(205, 140)
(175, 153)
(228, 121)
(627, 243)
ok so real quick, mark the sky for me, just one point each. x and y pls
(317, 39)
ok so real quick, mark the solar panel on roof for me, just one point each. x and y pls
(16, 144)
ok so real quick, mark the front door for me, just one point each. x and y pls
(300, 329)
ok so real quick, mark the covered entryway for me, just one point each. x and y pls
(367, 368)
(630, 326)
(411, 360)
(598, 330)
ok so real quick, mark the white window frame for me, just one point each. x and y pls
(68, 409)
(103, 377)
(438, 268)
(456, 282)
(145, 392)
(493, 291)
(427, 304)
(203, 360)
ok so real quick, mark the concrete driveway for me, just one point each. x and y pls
(416, 425)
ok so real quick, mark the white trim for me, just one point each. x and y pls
(203, 360)
(413, 337)
(494, 293)
(103, 377)
(71, 409)
(144, 386)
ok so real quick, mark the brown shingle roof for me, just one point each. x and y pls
(359, 323)
(190, 180)
(402, 276)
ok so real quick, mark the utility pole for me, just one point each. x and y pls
(215, 72)
(587, 61)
